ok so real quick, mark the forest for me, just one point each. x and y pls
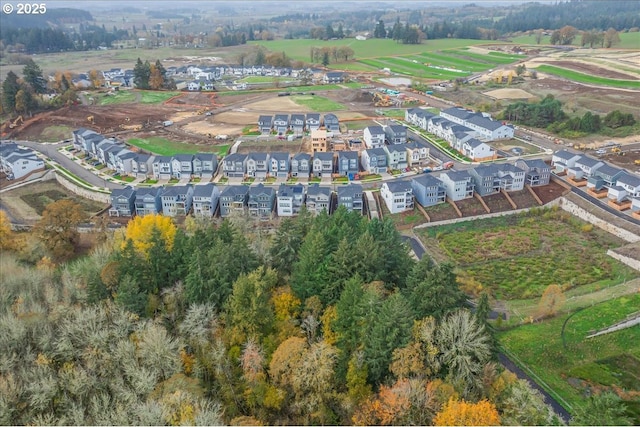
(325, 320)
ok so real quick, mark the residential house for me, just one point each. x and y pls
(417, 153)
(396, 134)
(258, 165)
(630, 183)
(261, 201)
(373, 136)
(511, 177)
(348, 163)
(635, 207)
(331, 77)
(234, 165)
(322, 164)
(177, 200)
(142, 165)
(350, 196)
(428, 190)
(563, 160)
(233, 199)
(279, 165)
(312, 121)
(162, 167)
(290, 199)
(319, 141)
(537, 172)
(205, 200)
(281, 123)
(18, 162)
(486, 179)
(147, 201)
(124, 162)
(418, 117)
(205, 165)
(301, 165)
(296, 123)
(487, 128)
(458, 184)
(374, 160)
(478, 151)
(588, 165)
(331, 123)
(318, 198)
(396, 156)
(79, 138)
(397, 195)
(604, 177)
(265, 124)
(122, 201)
(182, 166)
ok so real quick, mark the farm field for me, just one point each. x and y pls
(608, 362)
(627, 40)
(586, 78)
(518, 256)
(165, 147)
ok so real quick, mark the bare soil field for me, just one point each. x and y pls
(441, 212)
(550, 192)
(627, 161)
(509, 93)
(497, 203)
(470, 207)
(594, 70)
(523, 199)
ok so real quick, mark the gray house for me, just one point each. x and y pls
(458, 184)
(350, 196)
(396, 134)
(181, 166)
(279, 165)
(588, 165)
(233, 199)
(205, 165)
(122, 201)
(396, 156)
(205, 200)
(142, 165)
(261, 201)
(318, 198)
(258, 165)
(322, 164)
(265, 123)
(331, 123)
(486, 179)
(604, 177)
(428, 190)
(312, 121)
(296, 123)
(147, 201)
(348, 163)
(301, 165)
(162, 167)
(374, 160)
(290, 199)
(537, 172)
(234, 165)
(281, 123)
(176, 200)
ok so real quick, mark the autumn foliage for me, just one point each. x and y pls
(461, 413)
(140, 231)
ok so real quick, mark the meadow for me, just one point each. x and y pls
(627, 40)
(586, 78)
(317, 103)
(519, 256)
(165, 147)
(606, 362)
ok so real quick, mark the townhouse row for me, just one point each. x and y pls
(429, 189)
(17, 162)
(297, 123)
(258, 201)
(620, 187)
(466, 131)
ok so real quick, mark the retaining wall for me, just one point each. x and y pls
(82, 192)
(631, 262)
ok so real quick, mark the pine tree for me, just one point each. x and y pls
(10, 88)
(33, 76)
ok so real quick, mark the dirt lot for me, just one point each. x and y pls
(550, 192)
(594, 70)
(509, 94)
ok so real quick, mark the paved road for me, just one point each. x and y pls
(599, 203)
(51, 151)
(506, 362)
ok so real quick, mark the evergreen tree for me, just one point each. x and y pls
(309, 276)
(10, 88)
(437, 294)
(141, 74)
(380, 32)
(33, 76)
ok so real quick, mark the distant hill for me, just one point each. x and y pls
(51, 18)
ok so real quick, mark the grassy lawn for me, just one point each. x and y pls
(156, 97)
(164, 147)
(120, 97)
(518, 256)
(586, 78)
(606, 362)
(260, 79)
(317, 103)
(299, 49)
(55, 133)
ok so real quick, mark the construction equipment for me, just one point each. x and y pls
(131, 127)
(91, 120)
(636, 162)
(380, 100)
(17, 122)
(616, 150)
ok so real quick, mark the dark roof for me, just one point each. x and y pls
(258, 156)
(300, 156)
(183, 157)
(205, 190)
(349, 190)
(323, 156)
(290, 190)
(315, 189)
(127, 192)
(630, 180)
(608, 170)
(280, 156)
(457, 175)
(427, 180)
(256, 190)
(375, 130)
(234, 191)
(398, 186)
(235, 157)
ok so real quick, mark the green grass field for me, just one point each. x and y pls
(317, 103)
(155, 97)
(373, 48)
(606, 361)
(120, 97)
(518, 256)
(55, 133)
(627, 40)
(586, 78)
(164, 147)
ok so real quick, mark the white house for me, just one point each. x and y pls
(373, 136)
(477, 150)
(19, 162)
(397, 195)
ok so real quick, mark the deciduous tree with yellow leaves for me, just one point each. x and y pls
(462, 413)
(140, 232)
